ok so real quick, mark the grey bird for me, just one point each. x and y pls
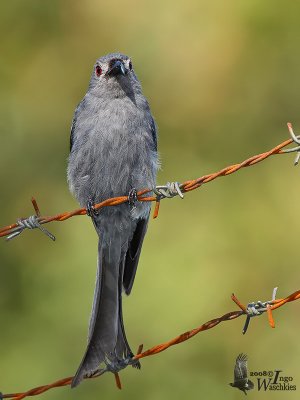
(241, 380)
(113, 152)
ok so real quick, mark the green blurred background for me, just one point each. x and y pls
(222, 79)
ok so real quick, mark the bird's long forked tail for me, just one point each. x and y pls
(106, 340)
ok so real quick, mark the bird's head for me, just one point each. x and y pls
(113, 76)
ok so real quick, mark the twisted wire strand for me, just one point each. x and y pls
(272, 305)
(15, 229)
(167, 191)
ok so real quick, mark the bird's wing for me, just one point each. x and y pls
(135, 246)
(72, 132)
(133, 254)
(74, 120)
(153, 132)
(240, 369)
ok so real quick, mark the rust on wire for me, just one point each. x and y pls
(35, 206)
(270, 316)
(118, 380)
(271, 306)
(238, 303)
(170, 190)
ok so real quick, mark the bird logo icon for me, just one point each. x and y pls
(241, 380)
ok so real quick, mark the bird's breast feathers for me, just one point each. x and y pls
(113, 151)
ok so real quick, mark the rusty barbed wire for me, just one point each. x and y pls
(167, 191)
(259, 306)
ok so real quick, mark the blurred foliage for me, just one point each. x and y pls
(222, 80)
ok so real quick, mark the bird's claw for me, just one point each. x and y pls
(90, 209)
(132, 197)
(133, 362)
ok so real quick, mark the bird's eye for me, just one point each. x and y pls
(98, 70)
(130, 65)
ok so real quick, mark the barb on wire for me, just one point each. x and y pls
(31, 222)
(255, 309)
(295, 139)
(171, 189)
(259, 307)
(160, 192)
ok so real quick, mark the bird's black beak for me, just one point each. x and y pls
(117, 67)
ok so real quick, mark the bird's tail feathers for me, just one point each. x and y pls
(106, 339)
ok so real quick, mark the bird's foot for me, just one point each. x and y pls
(114, 364)
(133, 362)
(95, 373)
(132, 197)
(90, 209)
(136, 364)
